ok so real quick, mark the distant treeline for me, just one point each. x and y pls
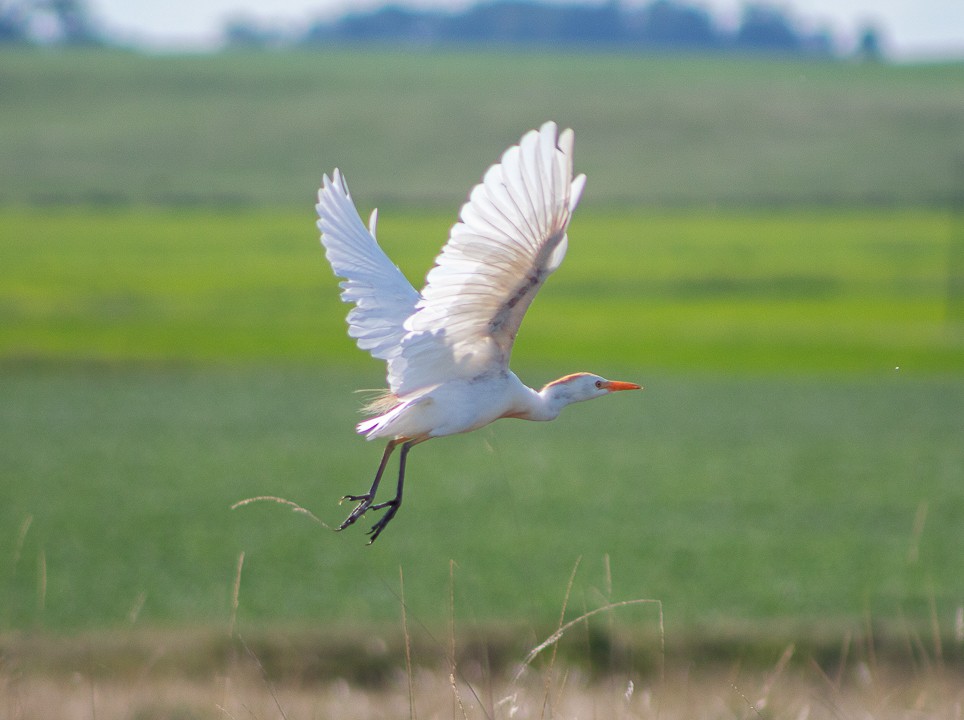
(48, 22)
(659, 25)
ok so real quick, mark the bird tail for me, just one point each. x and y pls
(380, 402)
(384, 406)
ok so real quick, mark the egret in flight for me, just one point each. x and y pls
(447, 348)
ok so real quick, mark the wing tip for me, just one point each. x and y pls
(563, 140)
(335, 182)
(334, 201)
(575, 191)
(566, 142)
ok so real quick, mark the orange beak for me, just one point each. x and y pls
(614, 385)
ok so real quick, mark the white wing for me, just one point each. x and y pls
(383, 297)
(511, 236)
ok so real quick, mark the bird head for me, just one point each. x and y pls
(583, 386)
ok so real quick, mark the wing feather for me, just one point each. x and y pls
(382, 296)
(510, 237)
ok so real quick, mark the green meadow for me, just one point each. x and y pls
(807, 291)
(418, 128)
(772, 248)
(794, 458)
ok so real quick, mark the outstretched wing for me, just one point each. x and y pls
(382, 296)
(510, 237)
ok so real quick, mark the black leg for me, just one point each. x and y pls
(365, 501)
(395, 503)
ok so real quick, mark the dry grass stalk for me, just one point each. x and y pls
(295, 507)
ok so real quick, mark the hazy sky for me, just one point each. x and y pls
(912, 28)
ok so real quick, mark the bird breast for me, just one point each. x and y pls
(457, 406)
(466, 405)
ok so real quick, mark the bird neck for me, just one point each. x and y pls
(550, 400)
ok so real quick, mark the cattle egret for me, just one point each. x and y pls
(447, 349)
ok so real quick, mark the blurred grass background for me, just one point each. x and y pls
(810, 290)
(762, 244)
(231, 129)
(788, 502)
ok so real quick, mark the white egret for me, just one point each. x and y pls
(447, 349)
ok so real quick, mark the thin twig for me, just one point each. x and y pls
(453, 664)
(408, 646)
(440, 644)
(236, 594)
(41, 580)
(264, 676)
(21, 537)
(557, 635)
(774, 676)
(295, 507)
(562, 617)
(458, 698)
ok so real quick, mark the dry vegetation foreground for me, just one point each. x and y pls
(177, 675)
(797, 695)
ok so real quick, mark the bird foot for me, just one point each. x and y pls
(377, 528)
(364, 505)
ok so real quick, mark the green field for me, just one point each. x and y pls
(781, 292)
(160, 367)
(418, 128)
(772, 249)
(789, 503)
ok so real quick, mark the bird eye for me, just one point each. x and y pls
(599, 384)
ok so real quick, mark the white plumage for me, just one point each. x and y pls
(448, 347)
